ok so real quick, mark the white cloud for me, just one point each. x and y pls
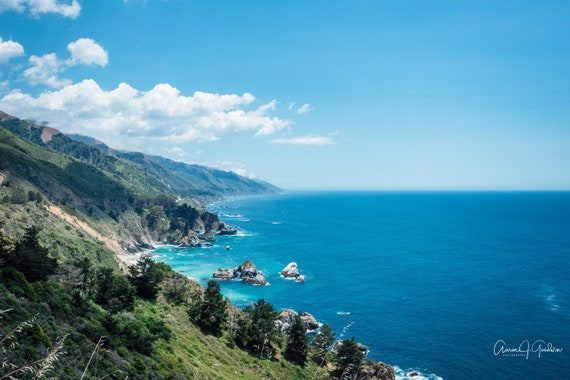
(305, 140)
(125, 116)
(37, 7)
(88, 52)
(45, 69)
(9, 49)
(304, 109)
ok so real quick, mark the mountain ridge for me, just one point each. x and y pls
(153, 174)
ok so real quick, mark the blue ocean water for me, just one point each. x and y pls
(456, 285)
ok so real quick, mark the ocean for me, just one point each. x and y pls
(454, 285)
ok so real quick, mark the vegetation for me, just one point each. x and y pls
(297, 342)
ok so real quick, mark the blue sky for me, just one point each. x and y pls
(327, 94)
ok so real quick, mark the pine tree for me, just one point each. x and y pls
(212, 311)
(257, 328)
(146, 276)
(29, 257)
(322, 343)
(297, 343)
(349, 356)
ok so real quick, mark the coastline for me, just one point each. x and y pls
(220, 207)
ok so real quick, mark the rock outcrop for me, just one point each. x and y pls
(370, 370)
(285, 320)
(225, 274)
(247, 272)
(292, 271)
(250, 275)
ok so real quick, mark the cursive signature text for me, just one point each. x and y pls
(525, 348)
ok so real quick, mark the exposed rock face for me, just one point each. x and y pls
(285, 320)
(224, 229)
(247, 271)
(370, 370)
(225, 274)
(250, 275)
(292, 271)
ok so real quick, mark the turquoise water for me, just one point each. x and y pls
(448, 284)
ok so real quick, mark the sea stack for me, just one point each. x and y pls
(250, 275)
(292, 271)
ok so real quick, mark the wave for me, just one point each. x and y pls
(343, 312)
(414, 374)
(275, 223)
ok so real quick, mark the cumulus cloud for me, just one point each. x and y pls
(37, 7)
(305, 140)
(9, 49)
(87, 52)
(45, 70)
(126, 115)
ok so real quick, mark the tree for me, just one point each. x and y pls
(297, 343)
(113, 291)
(29, 257)
(349, 356)
(210, 314)
(322, 343)
(146, 276)
(259, 330)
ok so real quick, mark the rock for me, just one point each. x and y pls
(370, 370)
(225, 274)
(247, 271)
(224, 229)
(257, 279)
(310, 321)
(362, 348)
(300, 278)
(250, 275)
(290, 271)
(413, 373)
(285, 320)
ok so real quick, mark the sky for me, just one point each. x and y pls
(318, 94)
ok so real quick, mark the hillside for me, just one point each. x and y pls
(144, 174)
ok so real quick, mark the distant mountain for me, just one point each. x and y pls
(142, 173)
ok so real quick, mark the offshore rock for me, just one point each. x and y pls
(247, 271)
(225, 274)
(291, 271)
